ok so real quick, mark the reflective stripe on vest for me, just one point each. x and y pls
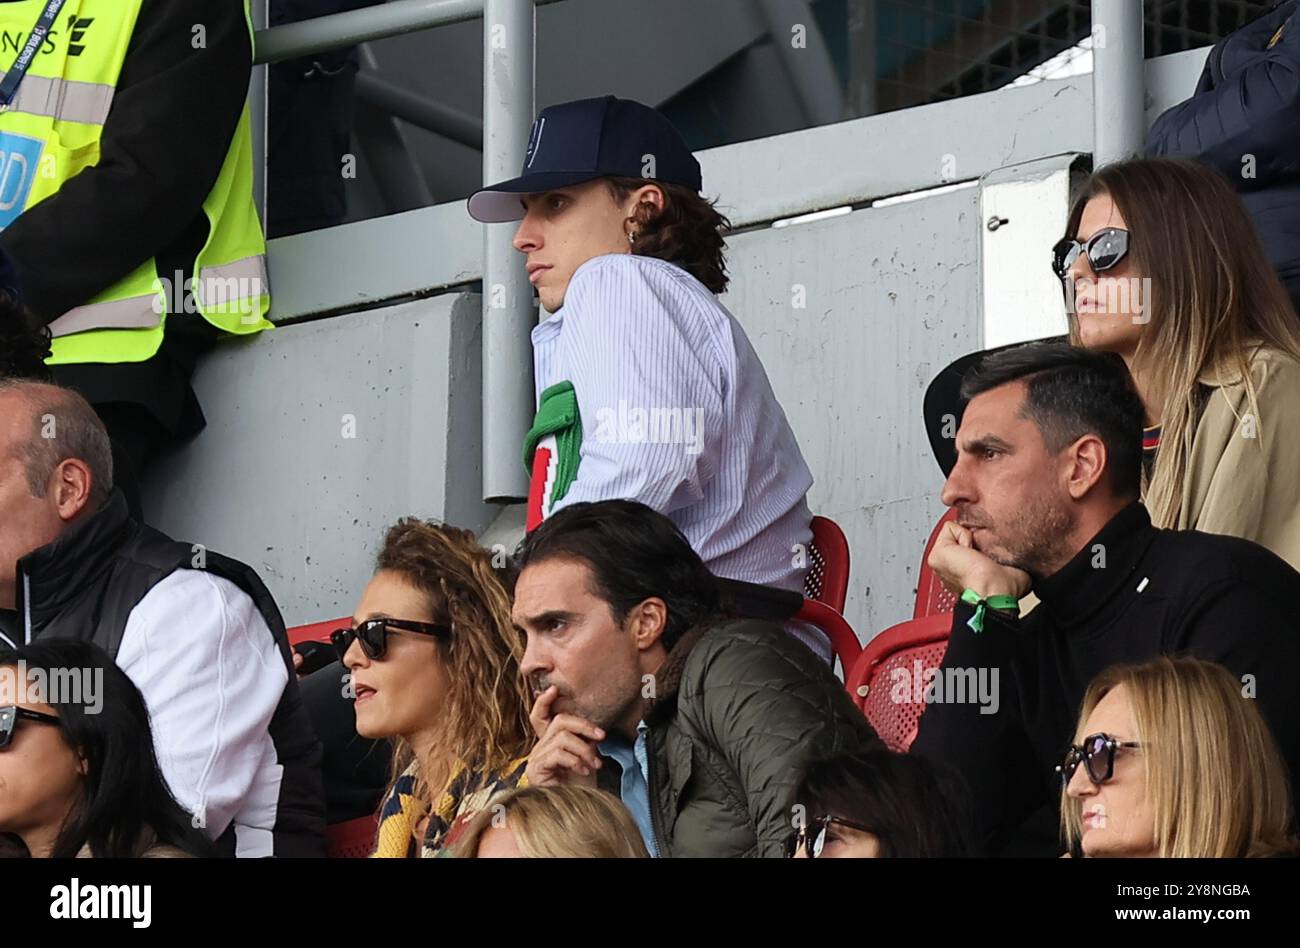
(63, 100)
(234, 284)
(136, 312)
(237, 286)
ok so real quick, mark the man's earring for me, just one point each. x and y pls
(631, 237)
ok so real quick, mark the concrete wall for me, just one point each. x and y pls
(322, 435)
(892, 294)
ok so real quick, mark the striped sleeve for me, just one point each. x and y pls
(644, 361)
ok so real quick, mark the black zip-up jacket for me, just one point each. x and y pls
(85, 586)
(1160, 592)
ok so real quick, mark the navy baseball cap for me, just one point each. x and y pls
(592, 138)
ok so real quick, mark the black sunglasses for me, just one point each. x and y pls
(813, 836)
(1104, 249)
(10, 715)
(1097, 754)
(373, 635)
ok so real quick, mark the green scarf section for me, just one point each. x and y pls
(557, 414)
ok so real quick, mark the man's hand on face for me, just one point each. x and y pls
(566, 750)
(960, 566)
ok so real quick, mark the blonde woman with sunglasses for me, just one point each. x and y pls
(1170, 759)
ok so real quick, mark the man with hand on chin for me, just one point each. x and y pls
(699, 724)
(1046, 488)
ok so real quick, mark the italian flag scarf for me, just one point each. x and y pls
(552, 451)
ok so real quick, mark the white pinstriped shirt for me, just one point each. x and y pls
(677, 412)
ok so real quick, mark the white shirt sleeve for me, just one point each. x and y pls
(648, 380)
(212, 676)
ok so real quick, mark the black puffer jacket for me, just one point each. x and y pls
(1244, 120)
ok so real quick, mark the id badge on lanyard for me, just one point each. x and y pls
(14, 77)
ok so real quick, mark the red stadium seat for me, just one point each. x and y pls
(354, 839)
(871, 682)
(932, 597)
(828, 567)
(317, 631)
(825, 588)
(844, 641)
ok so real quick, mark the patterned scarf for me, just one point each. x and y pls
(467, 794)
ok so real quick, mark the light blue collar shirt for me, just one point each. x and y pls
(635, 788)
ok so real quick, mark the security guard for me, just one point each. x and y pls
(126, 198)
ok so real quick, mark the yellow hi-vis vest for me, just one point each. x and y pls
(51, 132)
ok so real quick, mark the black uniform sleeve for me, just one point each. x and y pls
(986, 746)
(174, 114)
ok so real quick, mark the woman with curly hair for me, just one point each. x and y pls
(434, 665)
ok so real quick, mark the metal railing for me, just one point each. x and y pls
(340, 30)
(1118, 80)
(509, 82)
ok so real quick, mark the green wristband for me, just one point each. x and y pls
(982, 605)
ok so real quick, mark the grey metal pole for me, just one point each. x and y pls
(1118, 80)
(398, 176)
(420, 110)
(802, 49)
(509, 80)
(863, 58)
(322, 33)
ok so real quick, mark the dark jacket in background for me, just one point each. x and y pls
(1247, 102)
(85, 586)
(741, 707)
(356, 770)
(310, 127)
(1160, 592)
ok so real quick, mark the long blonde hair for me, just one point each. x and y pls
(1214, 300)
(1216, 780)
(483, 721)
(562, 822)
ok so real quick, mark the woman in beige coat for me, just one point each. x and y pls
(1162, 265)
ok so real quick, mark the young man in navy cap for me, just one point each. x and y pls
(648, 389)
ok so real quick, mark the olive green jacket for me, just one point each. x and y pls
(739, 708)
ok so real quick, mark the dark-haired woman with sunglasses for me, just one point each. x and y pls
(1171, 759)
(1161, 264)
(434, 663)
(78, 772)
(874, 804)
